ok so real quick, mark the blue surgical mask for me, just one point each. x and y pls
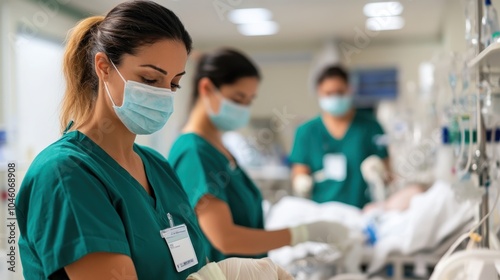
(231, 116)
(145, 109)
(336, 105)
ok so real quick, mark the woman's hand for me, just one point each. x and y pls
(241, 269)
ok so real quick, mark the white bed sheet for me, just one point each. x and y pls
(431, 217)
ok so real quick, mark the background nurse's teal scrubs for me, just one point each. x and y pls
(203, 170)
(313, 141)
(76, 200)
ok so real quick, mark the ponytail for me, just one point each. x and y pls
(81, 79)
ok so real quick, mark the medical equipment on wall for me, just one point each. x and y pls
(412, 122)
(490, 29)
(409, 124)
(477, 160)
(471, 24)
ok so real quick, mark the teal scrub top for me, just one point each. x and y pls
(313, 141)
(204, 170)
(76, 200)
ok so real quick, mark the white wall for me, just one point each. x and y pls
(3, 23)
(34, 20)
(454, 26)
(39, 87)
(284, 84)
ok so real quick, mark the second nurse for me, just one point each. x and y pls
(226, 201)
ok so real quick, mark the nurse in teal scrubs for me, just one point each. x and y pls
(227, 203)
(94, 205)
(331, 147)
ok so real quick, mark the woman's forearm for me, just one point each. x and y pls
(240, 240)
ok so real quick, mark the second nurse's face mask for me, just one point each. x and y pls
(231, 116)
(145, 109)
(336, 105)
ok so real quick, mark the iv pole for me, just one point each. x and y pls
(476, 264)
(480, 162)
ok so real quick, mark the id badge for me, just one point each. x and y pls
(335, 167)
(180, 246)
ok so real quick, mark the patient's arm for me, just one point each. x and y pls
(398, 201)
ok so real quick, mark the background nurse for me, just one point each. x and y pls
(329, 149)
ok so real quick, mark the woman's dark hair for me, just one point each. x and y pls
(333, 71)
(123, 30)
(223, 67)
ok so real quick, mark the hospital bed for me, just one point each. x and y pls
(420, 264)
(397, 232)
(397, 266)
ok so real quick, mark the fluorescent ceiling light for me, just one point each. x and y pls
(383, 9)
(385, 23)
(259, 28)
(244, 16)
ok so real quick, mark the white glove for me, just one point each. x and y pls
(376, 175)
(373, 169)
(302, 185)
(324, 232)
(241, 269)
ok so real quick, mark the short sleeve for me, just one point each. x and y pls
(298, 154)
(201, 174)
(65, 213)
(378, 142)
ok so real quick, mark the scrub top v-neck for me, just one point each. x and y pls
(204, 170)
(313, 142)
(76, 200)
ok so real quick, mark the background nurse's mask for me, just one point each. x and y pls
(231, 116)
(336, 105)
(145, 109)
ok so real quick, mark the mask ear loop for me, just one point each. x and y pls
(207, 103)
(118, 71)
(106, 84)
(107, 91)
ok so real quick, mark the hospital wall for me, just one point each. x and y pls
(3, 18)
(453, 36)
(22, 23)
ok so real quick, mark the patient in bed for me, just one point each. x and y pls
(398, 201)
(410, 220)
